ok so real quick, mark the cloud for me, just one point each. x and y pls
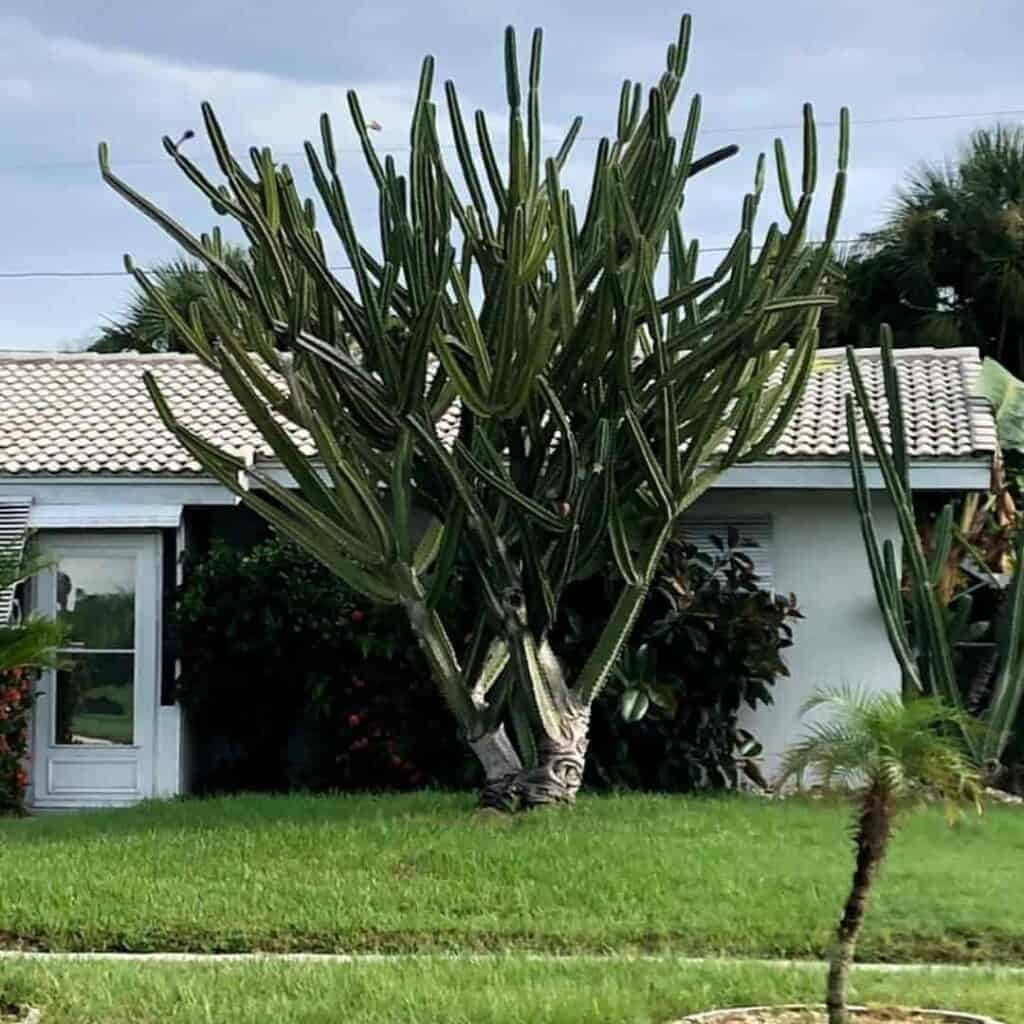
(73, 73)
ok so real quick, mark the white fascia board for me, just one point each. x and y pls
(115, 491)
(822, 474)
(953, 475)
(834, 474)
(112, 516)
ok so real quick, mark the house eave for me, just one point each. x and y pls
(52, 495)
(131, 499)
(834, 474)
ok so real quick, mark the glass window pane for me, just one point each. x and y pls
(96, 700)
(96, 601)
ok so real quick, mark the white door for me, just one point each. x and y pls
(95, 716)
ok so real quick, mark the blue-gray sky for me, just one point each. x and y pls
(74, 72)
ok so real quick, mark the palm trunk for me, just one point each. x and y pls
(873, 830)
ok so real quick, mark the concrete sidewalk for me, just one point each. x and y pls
(379, 958)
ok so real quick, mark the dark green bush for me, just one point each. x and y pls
(709, 640)
(291, 681)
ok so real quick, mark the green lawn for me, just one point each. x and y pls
(422, 872)
(506, 991)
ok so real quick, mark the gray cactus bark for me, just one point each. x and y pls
(557, 776)
(497, 756)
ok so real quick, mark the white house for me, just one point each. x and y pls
(87, 465)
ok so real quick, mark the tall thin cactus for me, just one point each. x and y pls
(919, 628)
(592, 410)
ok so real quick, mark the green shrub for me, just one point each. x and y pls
(291, 681)
(709, 641)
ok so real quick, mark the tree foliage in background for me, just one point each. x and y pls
(594, 403)
(145, 326)
(947, 268)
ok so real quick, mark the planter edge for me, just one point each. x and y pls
(28, 1015)
(946, 1016)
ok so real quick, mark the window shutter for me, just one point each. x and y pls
(698, 530)
(13, 530)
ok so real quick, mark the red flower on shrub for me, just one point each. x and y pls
(358, 615)
(15, 703)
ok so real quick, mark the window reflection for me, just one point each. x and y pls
(96, 700)
(96, 602)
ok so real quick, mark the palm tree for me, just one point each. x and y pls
(947, 268)
(145, 327)
(888, 753)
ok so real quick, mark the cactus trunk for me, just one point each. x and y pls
(497, 757)
(555, 778)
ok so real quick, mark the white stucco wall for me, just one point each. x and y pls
(169, 761)
(819, 556)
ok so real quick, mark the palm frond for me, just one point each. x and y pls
(32, 644)
(876, 740)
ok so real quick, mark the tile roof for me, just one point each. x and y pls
(85, 413)
(943, 420)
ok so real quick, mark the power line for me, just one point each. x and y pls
(14, 275)
(747, 129)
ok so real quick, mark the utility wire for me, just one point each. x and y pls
(863, 122)
(11, 275)
(14, 275)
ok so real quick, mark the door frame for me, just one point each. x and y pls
(135, 763)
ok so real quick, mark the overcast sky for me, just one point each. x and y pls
(73, 72)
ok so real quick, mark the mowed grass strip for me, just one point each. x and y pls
(510, 990)
(729, 876)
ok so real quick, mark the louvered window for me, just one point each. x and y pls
(699, 529)
(13, 530)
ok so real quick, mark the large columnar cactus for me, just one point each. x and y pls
(923, 640)
(593, 405)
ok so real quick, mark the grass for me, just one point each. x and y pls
(419, 873)
(504, 991)
(105, 728)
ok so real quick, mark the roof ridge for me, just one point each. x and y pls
(957, 352)
(39, 356)
(28, 356)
